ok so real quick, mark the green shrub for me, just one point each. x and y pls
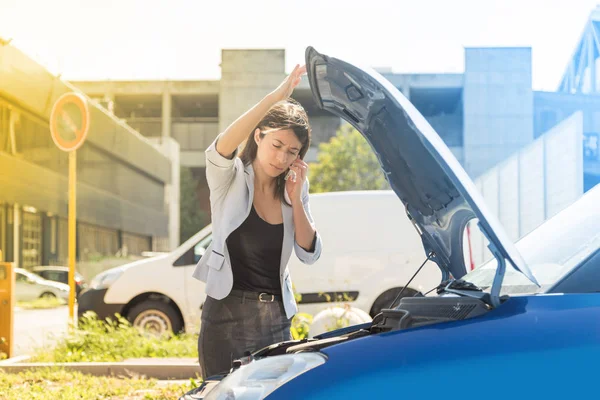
(300, 325)
(3, 355)
(115, 340)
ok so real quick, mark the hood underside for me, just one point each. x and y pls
(438, 195)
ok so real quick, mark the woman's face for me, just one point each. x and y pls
(277, 150)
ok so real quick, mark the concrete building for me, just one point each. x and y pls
(141, 131)
(194, 112)
(127, 187)
(485, 114)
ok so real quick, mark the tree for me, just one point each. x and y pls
(346, 162)
(191, 217)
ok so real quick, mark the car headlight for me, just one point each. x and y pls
(106, 278)
(258, 379)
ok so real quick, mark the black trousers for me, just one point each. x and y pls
(236, 324)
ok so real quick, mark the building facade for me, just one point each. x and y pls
(484, 115)
(124, 188)
(142, 131)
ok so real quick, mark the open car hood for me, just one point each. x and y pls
(439, 196)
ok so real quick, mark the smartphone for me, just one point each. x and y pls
(290, 174)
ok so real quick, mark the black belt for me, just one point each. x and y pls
(258, 296)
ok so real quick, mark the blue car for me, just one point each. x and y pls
(526, 325)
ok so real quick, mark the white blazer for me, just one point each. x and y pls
(231, 187)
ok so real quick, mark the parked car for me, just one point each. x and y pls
(29, 286)
(61, 274)
(368, 245)
(530, 332)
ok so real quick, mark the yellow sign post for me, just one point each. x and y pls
(7, 307)
(69, 126)
(72, 227)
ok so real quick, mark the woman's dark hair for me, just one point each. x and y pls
(286, 114)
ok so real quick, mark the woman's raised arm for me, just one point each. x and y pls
(239, 129)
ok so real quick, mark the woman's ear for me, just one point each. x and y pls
(257, 136)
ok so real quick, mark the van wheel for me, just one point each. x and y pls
(155, 317)
(47, 296)
(385, 299)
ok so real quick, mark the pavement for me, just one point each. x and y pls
(38, 328)
(157, 368)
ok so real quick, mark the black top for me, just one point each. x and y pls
(255, 254)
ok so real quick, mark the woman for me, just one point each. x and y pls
(258, 217)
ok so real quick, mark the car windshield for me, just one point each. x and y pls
(551, 250)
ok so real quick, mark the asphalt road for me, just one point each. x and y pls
(36, 328)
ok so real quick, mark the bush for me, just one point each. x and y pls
(301, 326)
(115, 340)
(3, 355)
(346, 162)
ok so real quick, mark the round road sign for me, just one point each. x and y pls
(69, 121)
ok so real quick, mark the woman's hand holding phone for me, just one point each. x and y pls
(294, 180)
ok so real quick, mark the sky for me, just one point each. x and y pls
(182, 39)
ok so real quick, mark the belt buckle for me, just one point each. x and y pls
(260, 298)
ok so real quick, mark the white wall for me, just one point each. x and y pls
(498, 106)
(534, 184)
(170, 148)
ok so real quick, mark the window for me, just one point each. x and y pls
(56, 276)
(53, 247)
(5, 139)
(591, 146)
(551, 251)
(2, 232)
(193, 255)
(583, 279)
(32, 239)
(201, 247)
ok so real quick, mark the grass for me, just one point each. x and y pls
(112, 340)
(3, 355)
(57, 383)
(115, 340)
(96, 340)
(41, 303)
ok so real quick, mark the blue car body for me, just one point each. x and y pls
(531, 347)
(483, 336)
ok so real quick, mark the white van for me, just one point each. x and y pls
(367, 243)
